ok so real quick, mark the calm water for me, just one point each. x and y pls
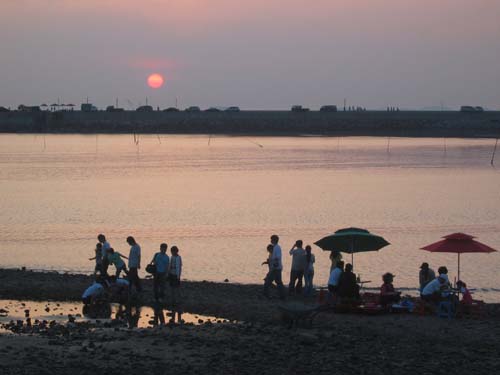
(219, 199)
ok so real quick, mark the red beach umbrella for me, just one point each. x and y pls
(458, 243)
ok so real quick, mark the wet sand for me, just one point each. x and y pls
(258, 344)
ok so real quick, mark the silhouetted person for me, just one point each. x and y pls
(348, 289)
(388, 294)
(105, 247)
(115, 258)
(275, 269)
(161, 261)
(134, 263)
(98, 259)
(297, 271)
(425, 276)
(309, 272)
(174, 278)
(334, 280)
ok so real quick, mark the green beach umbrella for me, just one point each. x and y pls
(352, 240)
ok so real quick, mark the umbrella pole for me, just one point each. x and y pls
(458, 266)
(352, 260)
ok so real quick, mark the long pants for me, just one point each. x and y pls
(274, 275)
(104, 267)
(159, 280)
(119, 270)
(308, 280)
(133, 278)
(295, 282)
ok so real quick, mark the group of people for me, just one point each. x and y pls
(343, 285)
(164, 268)
(302, 268)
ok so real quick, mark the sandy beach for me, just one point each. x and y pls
(258, 342)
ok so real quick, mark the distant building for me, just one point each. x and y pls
(299, 108)
(112, 108)
(328, 108)
(193, 109)
(471, 109)
(88, 107)
(145, 108)
(232, 109)
(26, 108)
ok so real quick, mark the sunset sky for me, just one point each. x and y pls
(256, 54)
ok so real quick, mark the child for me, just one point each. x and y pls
(114, 257)
(466, 296)
(388, 295)
(98, 258)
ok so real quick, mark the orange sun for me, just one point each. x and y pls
(155, 81)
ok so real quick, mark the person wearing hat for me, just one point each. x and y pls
(388, 294)
(433, 291)
(425, 276)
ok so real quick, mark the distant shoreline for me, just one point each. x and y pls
(259, 123)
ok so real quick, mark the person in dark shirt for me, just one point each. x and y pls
(348, 289)
(388, 294)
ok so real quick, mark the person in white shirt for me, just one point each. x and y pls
(134, 263)
(275, 269)
(309, 271)
(334, 279)
(104, 253)
(433, 291)
(298, 265)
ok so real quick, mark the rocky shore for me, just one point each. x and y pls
(258, 343)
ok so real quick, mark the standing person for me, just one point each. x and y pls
(105, 248)
(115, 258)
(425, 276)
(275, 269)
(309, 271)
(335, 257)
(161, 261)
(297, 271)
(174, 278)
(134, 264)
(98, 259)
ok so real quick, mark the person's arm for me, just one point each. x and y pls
(122, 256)
(92, 258)
(179, 267)
(139, 260)
(153, 260)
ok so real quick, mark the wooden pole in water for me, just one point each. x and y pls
(388, 144)
(494, 152)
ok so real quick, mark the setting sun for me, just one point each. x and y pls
(155, 81)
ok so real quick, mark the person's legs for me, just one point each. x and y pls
(279, 283)
(118, 271)
(293, 279)
(268, 280)
(299, 275)
(104, 267)
(134, 279)
(307, 283)
(161, 289)
(156, 285)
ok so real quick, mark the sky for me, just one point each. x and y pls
(260, 54)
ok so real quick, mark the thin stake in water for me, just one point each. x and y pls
(494, 152)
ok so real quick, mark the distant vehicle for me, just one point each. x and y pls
(171, 109)
(3, 109)
(111, 108)
(88, 107)
(193, 109)
(232, 109)
(471, 109)
(144, 108)
(328, 108)
(212, 109)
(299, 108)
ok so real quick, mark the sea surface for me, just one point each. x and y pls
(220, 198)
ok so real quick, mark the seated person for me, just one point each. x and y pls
(388, 294)
(348, 289)
(334, 279)
(433, 292)
(466, 296)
